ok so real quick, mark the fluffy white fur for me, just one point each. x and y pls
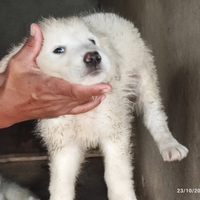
(126, 63)
(12, 191)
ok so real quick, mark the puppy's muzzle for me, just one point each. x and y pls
(92, 59)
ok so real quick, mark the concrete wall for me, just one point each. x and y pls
(172, 30)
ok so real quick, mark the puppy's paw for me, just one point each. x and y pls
(174, 151)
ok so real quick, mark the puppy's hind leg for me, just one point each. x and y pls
(118, 169)
(149, 102)
(64, 166)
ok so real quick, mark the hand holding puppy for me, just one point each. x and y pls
(27, 93)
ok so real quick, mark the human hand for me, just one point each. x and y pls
(27, 93)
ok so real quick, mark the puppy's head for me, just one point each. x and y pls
(70, 51)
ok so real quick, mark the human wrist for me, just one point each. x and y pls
(6, 117)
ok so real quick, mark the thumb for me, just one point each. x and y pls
(32, 46)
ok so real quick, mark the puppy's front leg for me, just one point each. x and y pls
(149, 102)
(118, 168)
(64, 166)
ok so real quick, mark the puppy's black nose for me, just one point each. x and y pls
(92, 59)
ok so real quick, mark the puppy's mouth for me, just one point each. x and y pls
(93, 77)
(95, 72)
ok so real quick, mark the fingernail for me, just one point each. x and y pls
(106, 91)
(32, 30)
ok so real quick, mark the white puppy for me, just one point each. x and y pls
(92, 49)
(12, 191)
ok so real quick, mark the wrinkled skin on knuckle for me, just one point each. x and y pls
(72, 91)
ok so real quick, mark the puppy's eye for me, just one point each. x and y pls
(91, 40)
(59, 50)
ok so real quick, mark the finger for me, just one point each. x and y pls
(32, 46)
(88, 106)
(82, 91)
(61, 87)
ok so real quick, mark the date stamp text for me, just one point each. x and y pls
(188, 190)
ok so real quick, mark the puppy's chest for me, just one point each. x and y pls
(111, 110)
(94, 123)
(87, 123)
(89, 128)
